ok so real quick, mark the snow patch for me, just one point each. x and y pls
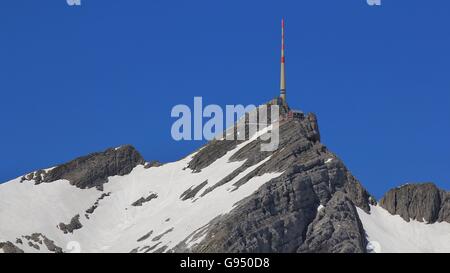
(393, 234)
(49, 169)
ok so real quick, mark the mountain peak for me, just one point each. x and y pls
(92, 170)
(423, 202)
(229, 196)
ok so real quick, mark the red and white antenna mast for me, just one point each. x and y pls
(283, 76)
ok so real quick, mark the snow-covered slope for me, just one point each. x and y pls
(391, 234)
(116, 225)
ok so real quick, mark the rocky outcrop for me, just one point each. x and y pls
(422, 202)
(336, 229)
(73, 225)
(192, 192)
(282, 215)
(95, 206)
(298, 145)
(210, 153)
(444, 213)
(153, 163)
(37, 176)
(146, 236)
(215, 149)
(93, 170)
(143, 200)
(51, 246)
(8, 247)
(274, 219)
(146, 249)
(36, 240)
(158, 237)
(278, 216)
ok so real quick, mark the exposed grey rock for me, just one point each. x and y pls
(37, 176)
(444, 213)
(35, 237)
(143, 200)
(192, 192)
(276, 218)
(299, 152)
(35, 246)
(134, 250)
(159, 250)
(93, 170)
(183, 246)
(153, 163)
(421, 202)
(157, 238)
(210, 153)
(94, 207)
(147, 249)
(336, 229)
(146, 236)
(38, 238)
(215, 149)
(293, 141)
(9, 247)
(29, 176)
(51, 246)
(90, 210)
(73, 225)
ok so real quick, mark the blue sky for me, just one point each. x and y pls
(75, 80)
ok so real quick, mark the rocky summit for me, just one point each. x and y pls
(229, 196)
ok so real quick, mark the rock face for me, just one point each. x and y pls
(336, 229)
(143, 200)
(421, 202)
(282, 215)
(9, 247)
(191, 192)
(95, 206)
(37, 239)
(93, 170)
(218, 148)
(73, 225)
(153, 163)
